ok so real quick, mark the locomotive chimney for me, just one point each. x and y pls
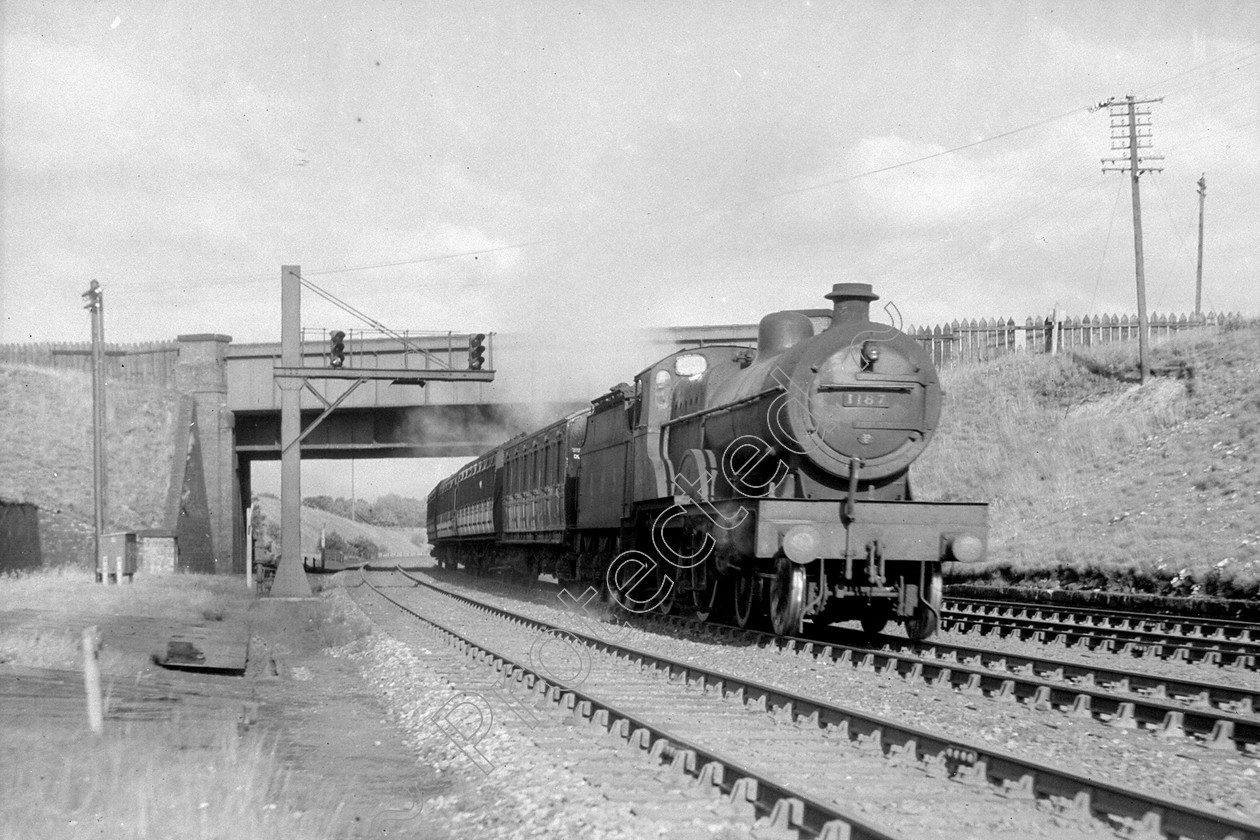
(853, 302)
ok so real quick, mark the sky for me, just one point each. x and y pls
(561, 167)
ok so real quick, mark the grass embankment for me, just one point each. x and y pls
(395, 541)
(67, 590)
(1097, 481)
(181, 778)
(46, 450)
(144, 784)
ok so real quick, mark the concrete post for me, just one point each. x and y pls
(290, 578)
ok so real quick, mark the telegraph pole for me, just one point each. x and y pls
(1125, 136)
(1198, 272)
(95, 304)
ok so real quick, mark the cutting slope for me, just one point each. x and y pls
(1097, 480)
(392, 540)
(46, 448)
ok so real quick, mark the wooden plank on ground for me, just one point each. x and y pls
(207, 648)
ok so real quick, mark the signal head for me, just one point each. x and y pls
(476, 351)
(337, 353)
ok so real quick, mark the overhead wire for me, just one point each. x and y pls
(1102, 260)
(1210, 68)
(369, 320)
(1163, 83)
(1006, 217)
(706, 211)
(1185, 246)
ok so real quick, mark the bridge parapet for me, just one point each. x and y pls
(531, 368)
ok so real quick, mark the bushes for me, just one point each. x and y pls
(356, 548)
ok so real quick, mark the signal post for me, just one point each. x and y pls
(293, 377)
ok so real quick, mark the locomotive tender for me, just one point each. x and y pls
(767, 485)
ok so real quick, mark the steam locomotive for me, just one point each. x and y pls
(762, 486)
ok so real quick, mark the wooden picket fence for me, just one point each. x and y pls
(151, 363)
(955, 343)
(970, 341)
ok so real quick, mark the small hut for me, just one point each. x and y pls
(19, 536)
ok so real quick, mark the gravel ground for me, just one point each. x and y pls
(899, 796)
(1176, 769)
(526, 786)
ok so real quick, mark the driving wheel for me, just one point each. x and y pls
(747, 588)
(787, 597)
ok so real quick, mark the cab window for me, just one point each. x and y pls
(662, 388)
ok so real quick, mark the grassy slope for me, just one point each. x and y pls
(46, 449)
(1091, 478)
(46, 455)
(1095, 480)
(192, 776)
(392, 540)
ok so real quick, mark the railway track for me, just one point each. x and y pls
(1182, 625)
(1220, 716)
(1228, 644)
(782, 808)
(932, 755)
(1123, 637)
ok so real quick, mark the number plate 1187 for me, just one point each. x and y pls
(864, 399)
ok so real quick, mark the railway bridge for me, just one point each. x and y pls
(538, 378)
(230, 405)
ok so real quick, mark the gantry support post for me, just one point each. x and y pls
(290, 579)
(292, 377)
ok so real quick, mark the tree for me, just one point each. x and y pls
(333, 541)
(363, 547)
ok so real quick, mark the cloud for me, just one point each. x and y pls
(932, 193)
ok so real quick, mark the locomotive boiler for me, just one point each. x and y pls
(767, 485)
